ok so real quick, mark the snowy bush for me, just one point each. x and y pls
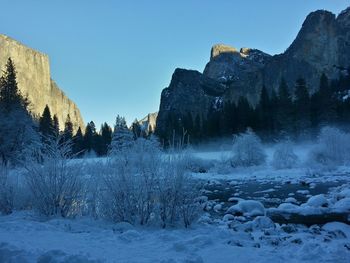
(6, 190)
(247, 150)
(333, 147)
(194, 164)
(54, 182)
(284, 156)
(178, 197)
(17, 133)
(122, 138)
(142, 186)
(130, 178)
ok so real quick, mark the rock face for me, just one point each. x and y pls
(34, 81)
(321, 46)
(189, 92)
(148, 123)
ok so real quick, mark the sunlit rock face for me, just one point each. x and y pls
(34, 81)
(321, 46)
(148, 123)
(240, 70)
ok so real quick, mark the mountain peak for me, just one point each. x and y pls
(219, 49)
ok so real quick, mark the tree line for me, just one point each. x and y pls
(91, 141)
(20, 130)
(292, 112)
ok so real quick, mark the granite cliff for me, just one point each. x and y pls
(321, 46)
(35, 82)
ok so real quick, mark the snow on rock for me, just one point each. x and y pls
(342, 206)
(343, 193)
(291, 200)
(228, 217)
(338, 226)
(288, 207)
(318, 201)
(217, 207)
(303, 192)
(234, 199)
(247, 208)
(263, 222)
(205, 219)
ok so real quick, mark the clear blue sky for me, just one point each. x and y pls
(115, 57)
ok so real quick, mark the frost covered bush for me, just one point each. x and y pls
(178, 197)
(54, 181)
(333, 147)
(6, 190)
(142, 186)
(247, 150)
(195, 165)
(284, 156)
(130, 178)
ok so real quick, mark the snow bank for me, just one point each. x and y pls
(247, 208)
(317, 201)
(87, 240)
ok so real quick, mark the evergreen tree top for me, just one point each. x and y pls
(10, 95)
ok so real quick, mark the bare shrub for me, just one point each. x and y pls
(142, 185)
(284, 156)
(248, 150)
(177, 192)
(194, 164)
(130, 180)
(54, 181)
(333, 147)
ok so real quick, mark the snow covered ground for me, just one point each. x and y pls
(25, 238)
(236, 224)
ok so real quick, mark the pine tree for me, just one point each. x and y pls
(122, 137)
(136, 129)
(198, 128)
(78, 143)
(301, 107)
(265, 113)
(285, 108)
(106, 138)
(10, 95)
(89, 137)
(188, 124)
(326, 102)
(120, 123)
(46, 123)
(56, 126)
(67, 135)
(17, 128)
(244, 114)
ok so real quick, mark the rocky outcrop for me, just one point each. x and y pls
(239, 70)
(148, 123)
(321, 46)
(189, 92)
(34, 81)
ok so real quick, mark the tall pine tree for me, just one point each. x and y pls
(90, 137)
(67, 135)
(46, 124)
(302, 117)
(78, 143)
(285, 109)
(17, 128)
(56, 126)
